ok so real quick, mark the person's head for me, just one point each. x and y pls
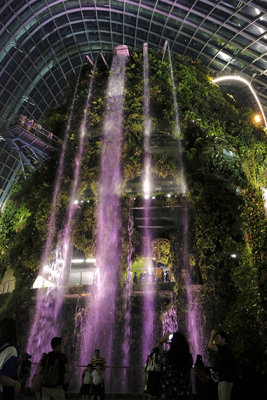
(90, 367)
(155, 350)
(26, 356)
(56, 343)
(8, 331)
(220, 338)
(178, 353)
(97, 353)
(98, 367)
(199, 361)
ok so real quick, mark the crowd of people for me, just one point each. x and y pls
(34, 127)
(171, 375)
(158, 276)
(48, 382)
(168, 374)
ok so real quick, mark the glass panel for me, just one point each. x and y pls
(116, 4)
(163, 6)
(75, 278)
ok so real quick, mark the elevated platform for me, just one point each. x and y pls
(22, 142)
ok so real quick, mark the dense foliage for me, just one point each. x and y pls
(225, 159)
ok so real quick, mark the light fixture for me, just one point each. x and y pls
(233, 256)
(257, 118)
(90, 260)
(240, 79)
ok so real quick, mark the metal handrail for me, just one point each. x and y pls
(31, 126)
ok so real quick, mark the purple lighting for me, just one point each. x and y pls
(169, 321)
(43, 322)
(49, 301)
(149, 289)
(89, 59)
(122, 50)
(104, 60)
(127, 298)
(98, 329)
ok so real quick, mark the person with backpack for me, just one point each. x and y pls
(152, 370)
(54, 366)
(9, 384)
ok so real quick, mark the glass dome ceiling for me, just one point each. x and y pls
(44, 42)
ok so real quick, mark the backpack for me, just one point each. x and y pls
(153, 362)
(53, 371)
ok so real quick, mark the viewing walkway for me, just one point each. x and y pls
(22, 142)
(21, 132)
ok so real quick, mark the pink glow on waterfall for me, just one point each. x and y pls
(127, 307)
(169, 321)
(52, 218)
(149, 287)
(98, 329)
(49, 302)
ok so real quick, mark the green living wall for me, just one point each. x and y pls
(225, 165)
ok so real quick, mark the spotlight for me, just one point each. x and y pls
(257, 118)
(233, 256)
(76, 201)
(168, 195)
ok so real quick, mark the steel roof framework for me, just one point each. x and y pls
(44, 42)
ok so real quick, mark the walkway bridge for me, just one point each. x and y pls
(23, 142)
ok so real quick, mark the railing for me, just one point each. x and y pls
(32, 127)
(117, 379)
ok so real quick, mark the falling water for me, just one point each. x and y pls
(169, 321)
(127, 298)
(99, 327)
(149, 290)
(76, 337)
(177, 130)
(52, 218)
(194, 319)
(49, 301)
